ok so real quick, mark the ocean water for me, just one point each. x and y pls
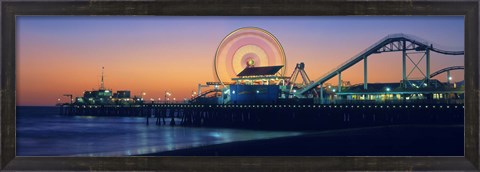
(41, 131)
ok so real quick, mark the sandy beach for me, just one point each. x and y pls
(399, 140)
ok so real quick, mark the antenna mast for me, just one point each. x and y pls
(102, 86)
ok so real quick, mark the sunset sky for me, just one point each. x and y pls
(65, 54)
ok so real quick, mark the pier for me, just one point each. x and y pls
(278, 117)
(263, 97)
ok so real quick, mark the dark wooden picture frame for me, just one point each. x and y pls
(11, 9)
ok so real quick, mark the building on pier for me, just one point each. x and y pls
(253, 85)
(419, 92)
(104, 96)
(259, 85)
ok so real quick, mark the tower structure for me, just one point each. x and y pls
(102, 86)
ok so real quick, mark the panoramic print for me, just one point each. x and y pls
(240, 86)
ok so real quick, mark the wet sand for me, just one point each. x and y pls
(399, 140)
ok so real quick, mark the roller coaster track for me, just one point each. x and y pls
(446, 69)
(205, 93)
(390, 43)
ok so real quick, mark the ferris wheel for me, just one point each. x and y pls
(247, 47)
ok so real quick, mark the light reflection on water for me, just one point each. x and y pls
(42, 132)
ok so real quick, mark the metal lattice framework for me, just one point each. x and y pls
(391, 43)
(299, 70)
(426, 56)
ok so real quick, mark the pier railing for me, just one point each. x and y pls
(386, 102)
(280, 117)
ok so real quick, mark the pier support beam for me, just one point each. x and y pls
(147, 120)
(427, 67)
(448, 78)
(199, 92)
(404, 64)
(172, 115)
(365, 79)
(339, 82)
(321, 93)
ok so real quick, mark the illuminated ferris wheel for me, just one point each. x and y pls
(247, 47)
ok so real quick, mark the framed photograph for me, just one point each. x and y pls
(228, 85)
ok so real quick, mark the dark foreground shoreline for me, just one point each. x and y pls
(397, 140)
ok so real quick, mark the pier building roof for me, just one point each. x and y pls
(264, 70)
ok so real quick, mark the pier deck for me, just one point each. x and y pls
(279, 117)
